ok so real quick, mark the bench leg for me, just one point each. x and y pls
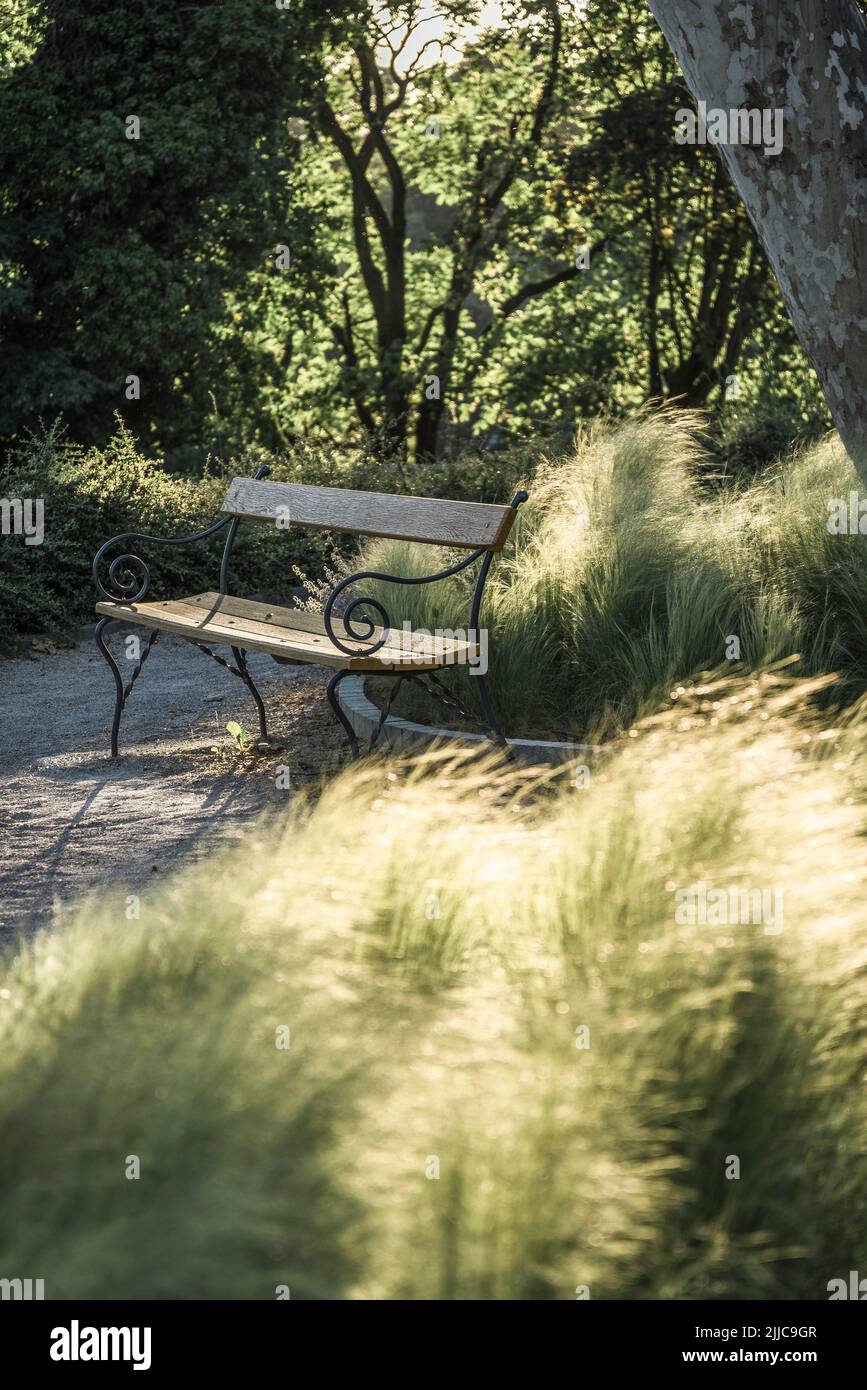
(121, 691)
(118, 681)
(386, 711)
(241, 661)
(490, 724)
(331, 692)
(494, 729)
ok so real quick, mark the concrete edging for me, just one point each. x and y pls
(398, 733)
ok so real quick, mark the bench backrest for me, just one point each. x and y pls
(472, 525)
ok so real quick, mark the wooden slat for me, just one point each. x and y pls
(469, 524)
(222, 620)
(267, 619)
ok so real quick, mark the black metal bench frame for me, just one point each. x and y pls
(127, 581)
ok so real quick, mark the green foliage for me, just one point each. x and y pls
(751, 434)
(481, 287)
(238, 733)
(91, 495)
(156, 257)
(117, 254)
(242, 744)
(435, 1128)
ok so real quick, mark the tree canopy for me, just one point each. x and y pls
(240, 223)
(143, 172)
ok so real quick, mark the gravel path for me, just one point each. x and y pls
(73, 819)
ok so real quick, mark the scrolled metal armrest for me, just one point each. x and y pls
(128, 575)
(126, 572)
(347, 617)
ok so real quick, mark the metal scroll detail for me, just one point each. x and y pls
(128, 579)
(361, 635)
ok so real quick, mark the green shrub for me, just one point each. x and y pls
(751, 436)
(436, 939)
(92, 495)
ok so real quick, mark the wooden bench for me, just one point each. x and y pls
(347, 639)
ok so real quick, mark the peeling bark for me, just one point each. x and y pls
(807, 58)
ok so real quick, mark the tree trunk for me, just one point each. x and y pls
(808, 59)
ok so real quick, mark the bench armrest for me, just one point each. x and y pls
(366, 632)
(128, 578)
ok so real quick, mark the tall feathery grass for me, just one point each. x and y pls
(628, 574)
(512, 1072)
